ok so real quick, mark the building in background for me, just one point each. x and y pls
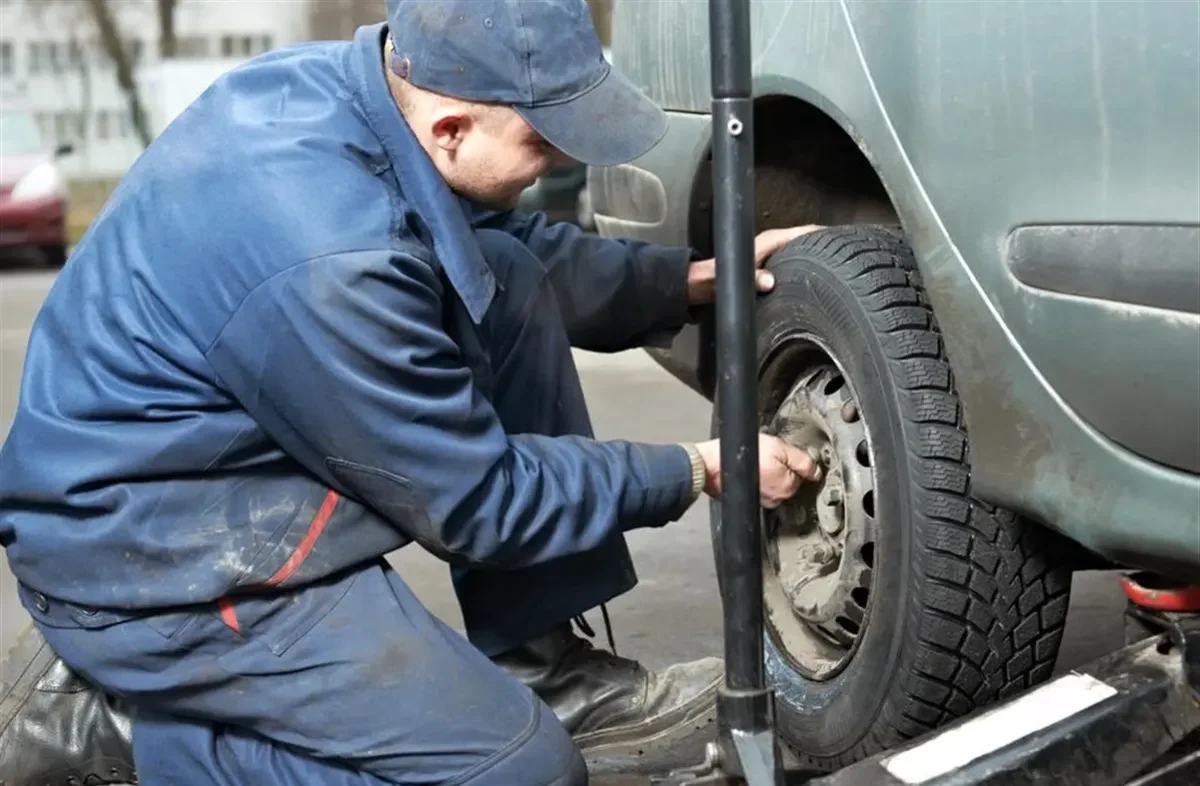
(54, 62)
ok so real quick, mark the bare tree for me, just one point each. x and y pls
(602, 19)
(168, 42)
(113, 44)
(103, 19)
(336, 20)
(78, 59)
(77, 64)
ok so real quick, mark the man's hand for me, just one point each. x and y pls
(702, 276)
(781, 469)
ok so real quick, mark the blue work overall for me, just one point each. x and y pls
(284, 350)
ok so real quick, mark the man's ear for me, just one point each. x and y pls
(450, 127)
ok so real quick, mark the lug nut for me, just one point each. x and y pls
(849, 412)
(819, 553)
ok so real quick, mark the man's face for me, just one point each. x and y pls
(490, 155)
(485, 152)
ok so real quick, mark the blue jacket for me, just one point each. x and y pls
(256, 367)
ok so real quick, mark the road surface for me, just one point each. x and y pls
(674, 614)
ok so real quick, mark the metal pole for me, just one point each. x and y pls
(733, 187)
(745, 706)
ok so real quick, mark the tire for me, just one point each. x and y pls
(53, 256)
(965, 603)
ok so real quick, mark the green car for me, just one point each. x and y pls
(994, 344)
(561, 195)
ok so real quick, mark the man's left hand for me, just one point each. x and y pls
(702, 276)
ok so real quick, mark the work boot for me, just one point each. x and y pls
(55, 728)
(624, 718)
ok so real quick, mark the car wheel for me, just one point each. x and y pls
(53, 256)
(893, 601)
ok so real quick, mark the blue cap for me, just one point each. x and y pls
(541, 57)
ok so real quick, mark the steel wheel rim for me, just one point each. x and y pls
(819, 547)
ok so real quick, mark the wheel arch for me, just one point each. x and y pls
(811, 167)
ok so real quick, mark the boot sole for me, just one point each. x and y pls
(655, 746)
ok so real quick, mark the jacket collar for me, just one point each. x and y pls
(422, 187)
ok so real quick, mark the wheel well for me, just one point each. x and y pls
(808, 170)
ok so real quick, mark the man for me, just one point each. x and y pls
(305, 331)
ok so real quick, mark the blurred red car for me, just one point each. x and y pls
(33, 192)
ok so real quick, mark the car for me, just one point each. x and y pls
(33, 191)
(992, 342)
(561, 195)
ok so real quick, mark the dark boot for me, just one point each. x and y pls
(55, 728)
(624, 718)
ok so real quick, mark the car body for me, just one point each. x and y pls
(1043, 160)
(33, 192)
(561, 194)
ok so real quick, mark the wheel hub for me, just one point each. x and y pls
(820, 543)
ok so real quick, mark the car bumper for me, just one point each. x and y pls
(40, 222)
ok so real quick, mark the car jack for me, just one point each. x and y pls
(754, 762)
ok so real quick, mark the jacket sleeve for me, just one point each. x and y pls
(343, 361)
(614, 294)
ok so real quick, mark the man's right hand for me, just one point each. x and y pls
(781, 469)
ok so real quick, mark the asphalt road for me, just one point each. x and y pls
(675, 612)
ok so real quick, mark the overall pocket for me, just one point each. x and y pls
(278, 621)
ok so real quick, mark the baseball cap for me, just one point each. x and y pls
(541, 57)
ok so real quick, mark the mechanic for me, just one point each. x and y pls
(308, 329)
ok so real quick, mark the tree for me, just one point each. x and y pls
(330, 20)
(103, 18)
(336, 20)
(78, 60)
(168, 42)
(77, 64)
(114, 45)
(602, 19)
